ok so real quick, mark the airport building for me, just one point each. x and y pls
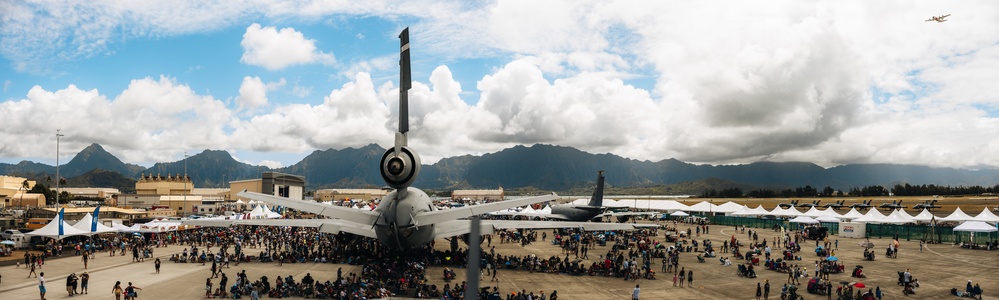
(478, 195)
(270, 183)
(337, 195)
(14, 194)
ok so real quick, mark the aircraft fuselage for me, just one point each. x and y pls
(577, 212)
(395, 227)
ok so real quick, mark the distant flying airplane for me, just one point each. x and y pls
(810, 205)
(594, 209)
(835, 205)
(938, 19)
(405, 218)
(892, 206)
(789, 205)
(862, 205)
(929, 205)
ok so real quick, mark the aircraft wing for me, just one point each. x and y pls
(438, 216)
(529, 215)
(588, 226)
(327, 226)
(629, 213)
(336, 212)
(451, 228)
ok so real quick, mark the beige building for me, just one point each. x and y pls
(10, 185)
(327, 195)
(477, 195)
(160, 185)
(92, 193)
(181, 203)
(24, 200)
(270, 183)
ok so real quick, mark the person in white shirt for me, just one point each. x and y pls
(634, 294)
(41, 285)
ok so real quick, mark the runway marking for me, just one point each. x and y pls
(927, 247)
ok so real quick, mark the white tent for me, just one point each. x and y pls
(679, 214)
(122, 228)
(986, 216)
(829, 212)
(782, 212)
(957, 216)
(827, 219)
(728, 207)
(57, 229)
(852, 214)
(975, 226)
(240, 201)
(159, 226)
(91, 227)
(924, 216)
(804, 220)
(872, 216)
(270, 214)
(813, 212)
(703, 206)
(897, 217)
(744, 211)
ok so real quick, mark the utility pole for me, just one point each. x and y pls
(58, 135)
(185, 183)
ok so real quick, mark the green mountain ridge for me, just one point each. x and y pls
(543, 167)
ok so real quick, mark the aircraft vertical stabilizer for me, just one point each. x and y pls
(598, 192)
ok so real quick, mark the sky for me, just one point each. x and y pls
(708, 82)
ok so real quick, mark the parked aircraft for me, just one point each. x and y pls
(789, 205)
(891, 206)
(594, 209)
(810, 205)
(928, 204)
(938, 19)
(862, 205)
(405, 218)
(835, 205)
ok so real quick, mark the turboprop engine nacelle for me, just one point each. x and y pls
(400, 165)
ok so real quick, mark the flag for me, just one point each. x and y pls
(61, 216)
(93, 221)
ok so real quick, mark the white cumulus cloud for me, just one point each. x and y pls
(276, 49)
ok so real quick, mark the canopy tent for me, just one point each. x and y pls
(852, 214)
(122, 228)
(744, 211)
(813, 212)
(829, 212)
(679, 214)
(729, 207)
(159, 226)
(57, 229)
(957, 216)
(924, 216)
(872, 216)
(782, 212)
(90, 225)
(986, 216)
(896, 217)
(827, 219)
(804, 220)
(975, 226)
(240, 201)
(703, 206)
(270, 214)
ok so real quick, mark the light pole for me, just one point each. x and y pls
(185, 183)
(58, 135)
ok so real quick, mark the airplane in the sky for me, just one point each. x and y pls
(928, 204)
(789, 205)
(810, 205)
(405, 218)
(862, 205)
(834, 205)
(891, 206)
(938, 19)
(594, 209)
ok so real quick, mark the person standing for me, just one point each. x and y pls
(208, 287)
(877, 293)
(69, 284)
(683, 275)
(41, 284)
(690, 278)
(117, 290)
(84, 279)
(130, 292)
(85, 258)
(759, 291)
(634, 293)
(157, 264)
(766, 290)
(921, 242)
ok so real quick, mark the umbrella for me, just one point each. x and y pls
(859, 285)
(832, 258)
(867, 244)
(7, 242)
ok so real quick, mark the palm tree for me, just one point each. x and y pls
(24, 188)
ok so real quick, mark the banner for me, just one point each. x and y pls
(61, 216)
(93, 221)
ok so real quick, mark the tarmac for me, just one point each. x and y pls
(939, 268)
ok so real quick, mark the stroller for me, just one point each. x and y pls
(746, 271)
(791, 293)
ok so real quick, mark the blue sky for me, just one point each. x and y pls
(719, 83)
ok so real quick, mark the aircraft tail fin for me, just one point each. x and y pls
(598, 192)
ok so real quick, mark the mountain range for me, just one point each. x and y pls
(542, 167)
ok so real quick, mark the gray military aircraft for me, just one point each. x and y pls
(405, 218)
(594, 209)
(928, 204)
(793, 203)
(862, 205)
(891, 206)
(810, 205)
(835, 205)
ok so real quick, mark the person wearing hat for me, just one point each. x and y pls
(968, 289)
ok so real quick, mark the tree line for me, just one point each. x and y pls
(867, 191)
